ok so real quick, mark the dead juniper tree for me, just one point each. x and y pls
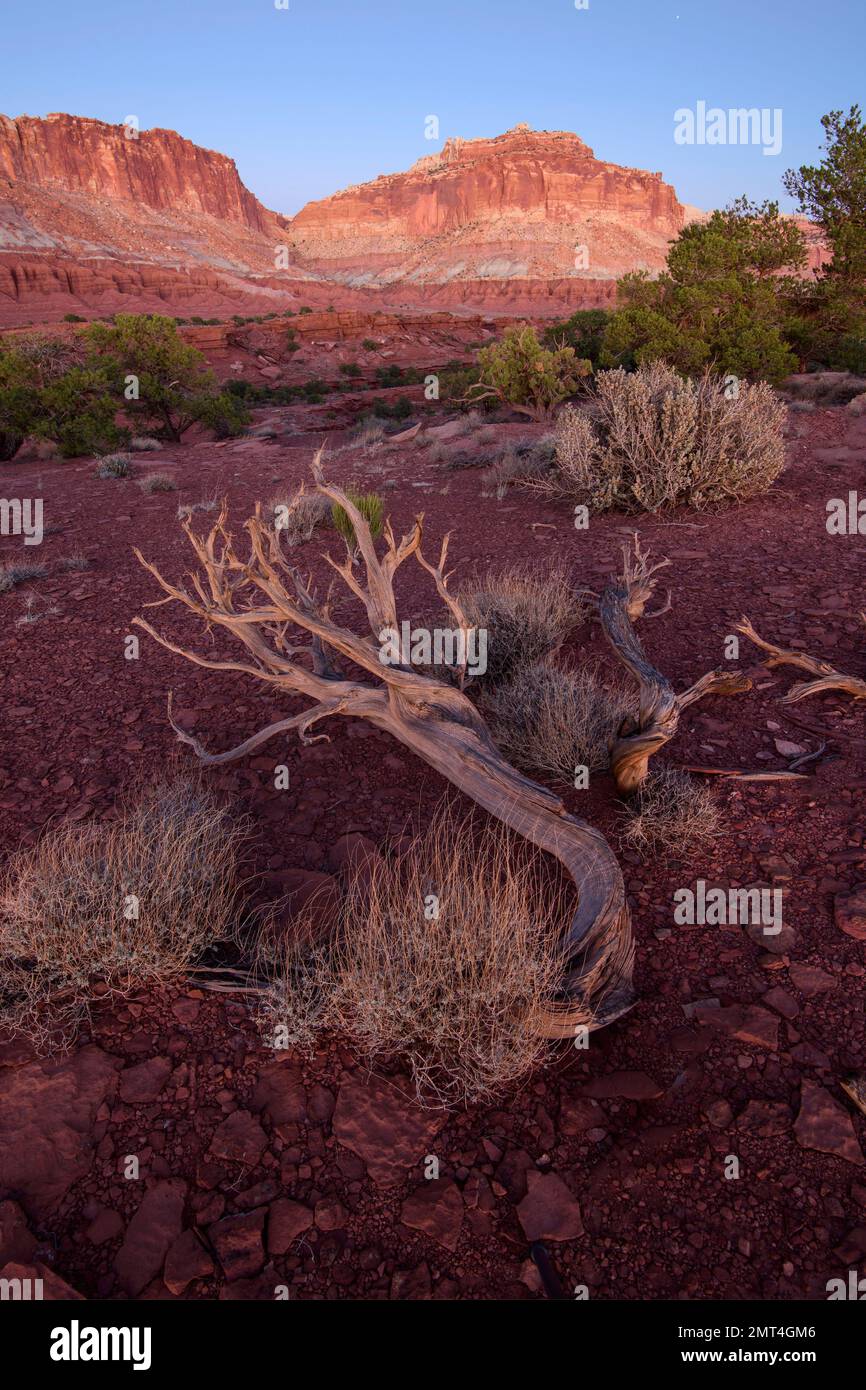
(621, 605)
(259, 598)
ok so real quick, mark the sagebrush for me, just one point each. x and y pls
(655, 439)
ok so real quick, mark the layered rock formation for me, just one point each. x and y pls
(92, 221)
(157, 168)
(526, 205)
(96, 218)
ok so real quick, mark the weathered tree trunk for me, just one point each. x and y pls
(432, 718)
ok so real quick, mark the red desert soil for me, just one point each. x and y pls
(258, 1174)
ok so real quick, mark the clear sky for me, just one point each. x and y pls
(328, 93)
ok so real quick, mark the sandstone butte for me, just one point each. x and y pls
(93, 221)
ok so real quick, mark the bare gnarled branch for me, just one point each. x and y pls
(247, 598)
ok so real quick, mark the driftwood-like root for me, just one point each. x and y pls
(621, 605)
(827, 677)
(260, 597)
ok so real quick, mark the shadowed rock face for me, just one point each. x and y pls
(158, 168)
(515, 206)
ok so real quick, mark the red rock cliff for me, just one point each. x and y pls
(523, 198)
(158, 169)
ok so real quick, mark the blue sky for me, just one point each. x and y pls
(333, 92)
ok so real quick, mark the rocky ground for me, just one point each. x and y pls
(263, 1175)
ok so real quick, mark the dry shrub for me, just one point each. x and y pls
(655, 439)
(526, 617)
(367, 433)
(457, 996)
(296, 517)
(518, 464)
(292, 1008)
(115, 466)
(672, 812)
(157, 482)
(17, 571)
(64, 906)
(75, 560)
(549, 720)
(185, 510)
(143, 444)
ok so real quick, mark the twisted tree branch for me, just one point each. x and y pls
(621, 604)
(828, 678)
(247, 598)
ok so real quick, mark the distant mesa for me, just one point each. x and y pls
(96, 217)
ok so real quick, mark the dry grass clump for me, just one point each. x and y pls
(655, 439)
(521, 463)
(185, 510)
(550, 720)
(115, 466)
(75, 560)
(17, 571)
(526, 617)
(297, 516)
(367, 432)
(444, 960)
(125, 902)
(157, 482)
(672, 812)
(143, 444)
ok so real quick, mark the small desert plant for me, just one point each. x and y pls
(206, 504)
(369, 345)
(135, 900)
(552, 720)
(671, 812)
(297, 517)
(444, 959)
(114, 466)
(157, 482)
(35, 609)
(517, 464)
(143, 444)
(370, 505)
(661, 440)
(368, 432)
(75, 561)
(17, 572)
(526, 617)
